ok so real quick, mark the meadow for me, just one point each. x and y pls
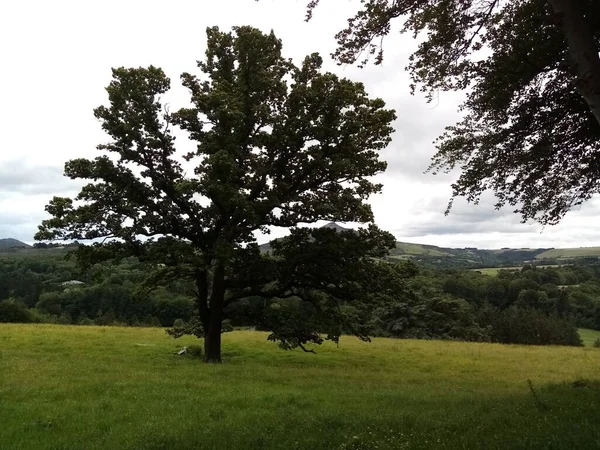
(589, 336)
(67, 387)
(570, 253)
(493, 271)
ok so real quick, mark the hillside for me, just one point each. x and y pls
(426, 255)
(581, 252)
(472, 257)
(7, 244)
(432, 255)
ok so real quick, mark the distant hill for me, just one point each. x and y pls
(7, 244)
(580, 252)
(336, 227)
(431, 255)
(472, 257)
(267, 246)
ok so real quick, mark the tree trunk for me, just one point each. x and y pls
(212, 343)
(583, 51)
(212, 332)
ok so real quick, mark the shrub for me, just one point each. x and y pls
(13, 311)
(38, 316)
(226, 326)
(181, 328)
(193, 327)
(597, 343)
(151, 321)
(65, 319)
(195, 351)
(85, 320)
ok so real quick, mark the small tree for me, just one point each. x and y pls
(275, 145)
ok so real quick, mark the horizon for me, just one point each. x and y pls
(262, 242)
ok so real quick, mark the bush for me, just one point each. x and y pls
(151, 321)
(65, 319)
(85, 320)
(38, 316)
(13, 311)
(529, 326)
(226, 326)
(597, 343)
(195, 351)
(193, 327)
(181, 328)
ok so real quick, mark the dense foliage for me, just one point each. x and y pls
(532, 305)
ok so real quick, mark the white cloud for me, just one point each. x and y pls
(56, 59)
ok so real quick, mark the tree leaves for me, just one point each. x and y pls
(529, 133)
(275, 144)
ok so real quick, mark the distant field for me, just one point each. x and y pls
(493, 271)
(569, 252)
(418, 249)
(64, 387)
(589, 336)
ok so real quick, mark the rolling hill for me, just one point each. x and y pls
(471, 257)
(428, 255)
(9, 243)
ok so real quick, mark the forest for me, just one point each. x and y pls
(531, 305)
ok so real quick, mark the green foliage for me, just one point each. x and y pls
(597, 343)
(275, 144)
(518, 325)
(226, 327)
(420, 303)
(14, 311)
(191, 327)
(195, 351)
(84, 320)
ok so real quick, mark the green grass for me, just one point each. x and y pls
(493, 271)
(589, 336)
(67, 387)
(569, 252)
(418, 249)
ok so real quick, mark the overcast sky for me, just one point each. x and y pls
(55, 61)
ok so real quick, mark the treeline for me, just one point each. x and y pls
(48, 288)
(571, 291)
(529, 306)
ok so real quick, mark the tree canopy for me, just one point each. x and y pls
(276, 144)
(531, 71)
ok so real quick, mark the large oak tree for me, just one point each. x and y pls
(531, 71)
(275, 144)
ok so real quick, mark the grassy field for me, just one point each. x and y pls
(418, 249)
(589, 336)
(493, 271)
(569, 252)
(67, 387)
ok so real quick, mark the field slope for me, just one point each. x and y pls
(570, 253)
(589, 336)
(122, 388)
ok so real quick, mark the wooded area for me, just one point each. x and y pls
(532, 305)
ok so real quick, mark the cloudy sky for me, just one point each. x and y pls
(55, 61)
